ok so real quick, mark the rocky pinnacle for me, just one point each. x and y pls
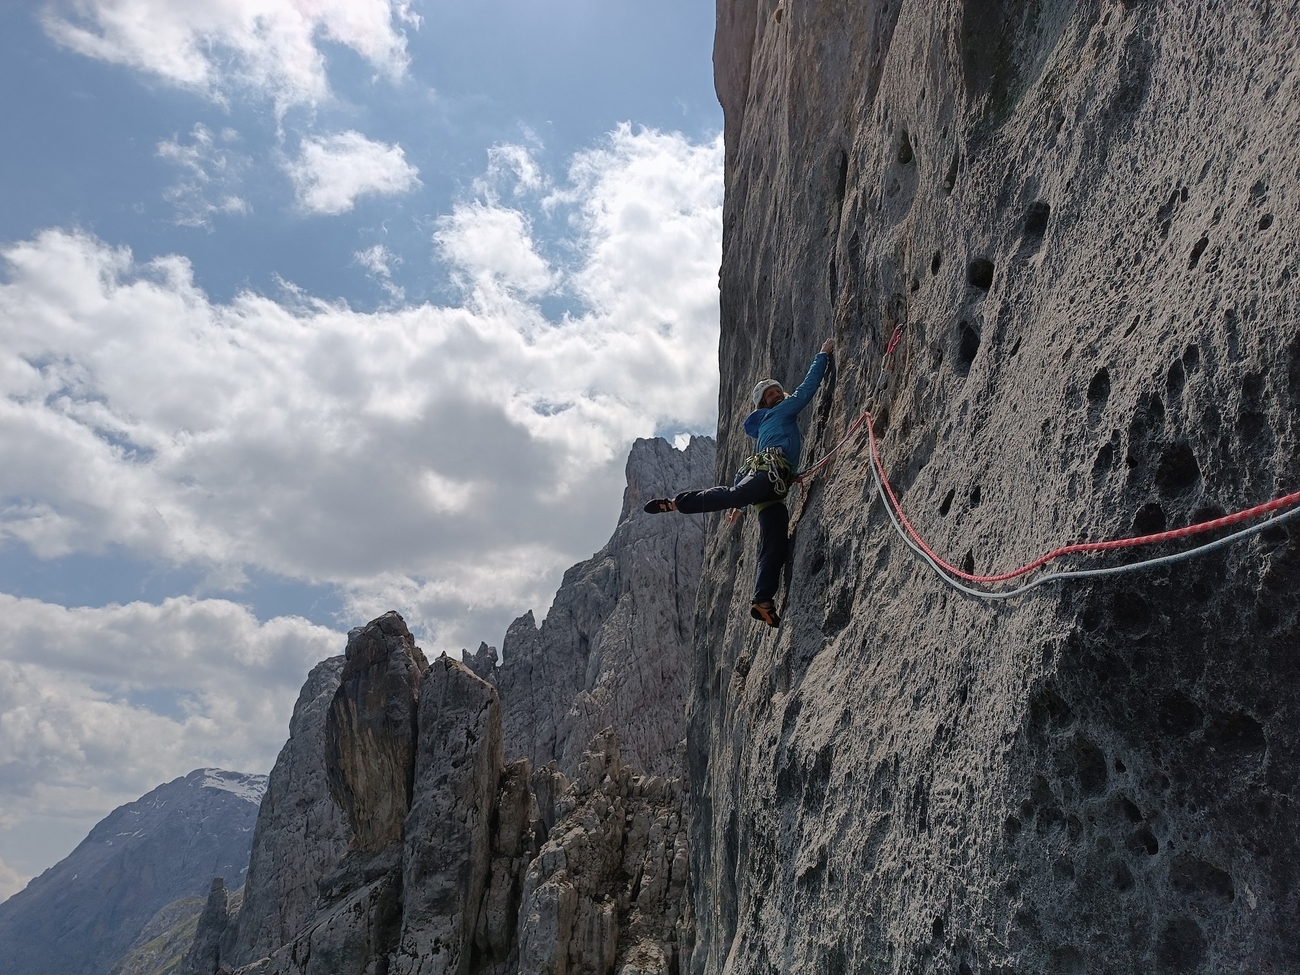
(371, 729)
(407, 831)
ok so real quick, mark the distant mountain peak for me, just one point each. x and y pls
(82, 914)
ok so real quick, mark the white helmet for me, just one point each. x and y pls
(762, 388)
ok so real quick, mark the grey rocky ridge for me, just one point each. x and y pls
(301, 831)
(139, 873)
(162, 945)
(1082, 217)
(440, 817)
(615, 647)
(324, 873)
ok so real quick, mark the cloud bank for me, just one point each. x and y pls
(447, 459)
(268, 48)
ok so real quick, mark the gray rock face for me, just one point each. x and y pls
(212, 934)
(483, 662)
(302, 833)
(1083, 215)
(514, 844)
(448, 853)
(160, 948)
(327, 862)
(396, 840)
(354, 928)
(615, 646)
(370, 732)
(84, 913)
(442, 897)
(607, 890)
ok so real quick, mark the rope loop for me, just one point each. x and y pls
(1273, 512)
(1276, 510)
(894, 340)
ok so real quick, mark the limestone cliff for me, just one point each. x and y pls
(615, 647)
(302, 832)
(324, 881)
(1082, 215)
(447, 860)
(371, 730)
(609, 886)
(406, 832)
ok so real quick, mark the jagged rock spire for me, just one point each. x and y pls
(371, 729)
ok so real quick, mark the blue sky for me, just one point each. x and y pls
(308, 316)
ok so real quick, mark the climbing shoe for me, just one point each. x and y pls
(657, 506)
(765, 612)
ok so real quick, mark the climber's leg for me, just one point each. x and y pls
(751, 489)
(773, 550)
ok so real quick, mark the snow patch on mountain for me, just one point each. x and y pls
(247, 787)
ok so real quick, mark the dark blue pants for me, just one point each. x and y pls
(773, 524)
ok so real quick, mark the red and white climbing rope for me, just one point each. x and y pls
(1272, 512)
(830, 454)
(1278, 510)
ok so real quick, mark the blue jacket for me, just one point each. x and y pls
(779, 426)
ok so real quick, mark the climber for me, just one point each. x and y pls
(764, 480)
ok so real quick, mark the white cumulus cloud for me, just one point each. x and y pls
(270, 48)
(449, 460)
(494, 247)
(332, 172)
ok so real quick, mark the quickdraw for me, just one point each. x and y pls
(883, 378)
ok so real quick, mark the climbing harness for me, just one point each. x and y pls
(771, 462)
(1277, 511)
